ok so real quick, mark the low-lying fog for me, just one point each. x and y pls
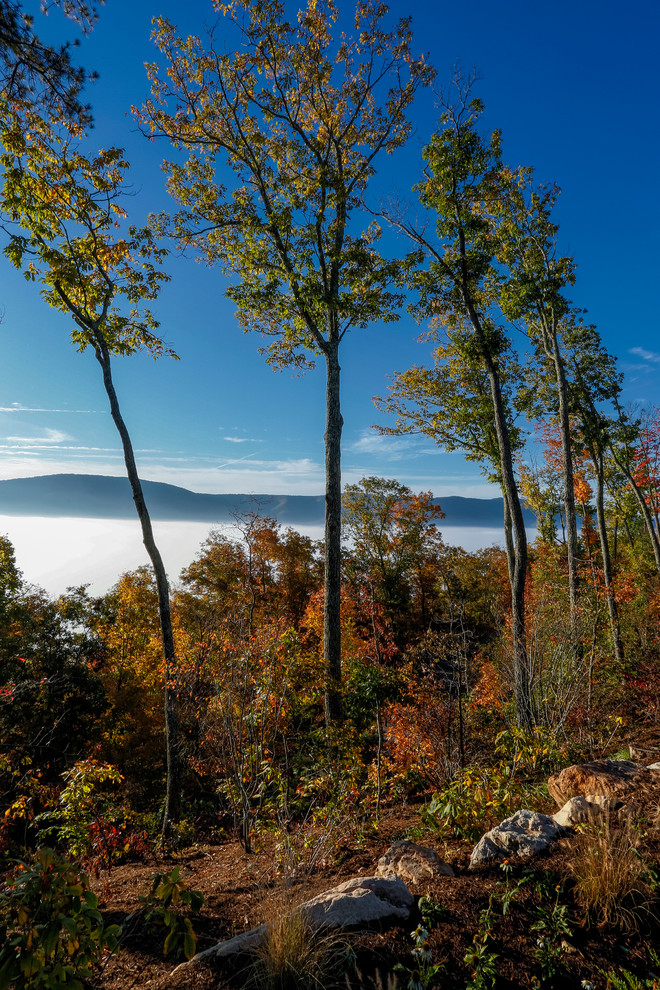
(58, 552)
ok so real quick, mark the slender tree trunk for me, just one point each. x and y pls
(518, 566)
(508, 538)
(567, 471)
(171, 709)
(517, 574)
(516, 541)
(615, 547)
(612, 609)
(332, 600)
(379, 757)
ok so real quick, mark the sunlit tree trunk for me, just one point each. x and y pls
(172, 795)
(613, 612)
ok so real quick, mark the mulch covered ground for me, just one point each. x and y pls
(242, 891)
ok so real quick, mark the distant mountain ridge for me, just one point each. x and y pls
(103, 497)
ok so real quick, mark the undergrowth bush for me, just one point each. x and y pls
(51, 932)
(168, 906)
(476, 799)
(83, 804)
(626, 980)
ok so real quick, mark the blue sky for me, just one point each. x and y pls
(574, 87)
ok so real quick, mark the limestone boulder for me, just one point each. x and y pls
(623, 780)
(360, 901)
(590, 808)
(414, 864)
(354, 903)
(525, 834)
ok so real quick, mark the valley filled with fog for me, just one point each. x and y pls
(59, 552)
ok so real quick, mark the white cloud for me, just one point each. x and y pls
(16, 407)
(242, 440)
(385, 445)
(49, 438)
(641, 352)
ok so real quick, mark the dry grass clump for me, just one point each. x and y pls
(298, 956)
(611, 878)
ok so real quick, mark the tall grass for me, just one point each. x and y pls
(612, 883)
(298, 956)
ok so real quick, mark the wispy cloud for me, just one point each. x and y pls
(16, 407)
(48, 438)
(645, 355)
(386, 446)
(242, 475)
(242, 440)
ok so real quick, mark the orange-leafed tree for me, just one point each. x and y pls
(391, 532)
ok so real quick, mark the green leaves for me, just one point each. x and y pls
(66, 230)
(164, 906)
(299, 118)
(51, 932)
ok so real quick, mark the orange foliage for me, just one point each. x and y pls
(420, 737)
(489, 690)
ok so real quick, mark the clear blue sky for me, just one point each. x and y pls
(574, 86)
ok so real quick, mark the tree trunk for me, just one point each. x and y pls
(332, 599)
(517, 572)
(515, 525)
(508, 538)
(171, 709)
(612, 609)
(567, 471)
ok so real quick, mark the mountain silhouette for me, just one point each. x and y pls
(99, 496)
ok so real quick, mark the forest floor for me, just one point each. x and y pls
(242, 891)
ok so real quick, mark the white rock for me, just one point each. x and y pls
(355, 902)
(359, 902)
(590, 808)
(413, 863)
(525, 834)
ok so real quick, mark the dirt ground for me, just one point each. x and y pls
(241, 891)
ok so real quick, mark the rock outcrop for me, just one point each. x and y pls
(622, 780)
(356, 902)
(525, 834)
(413, 863)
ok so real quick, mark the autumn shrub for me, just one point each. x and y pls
(476, 799)
(317, 838)
(244, 723)
(613, 884)
(534, 752)
(23, 797)
(51, 932)
(421, 740)
(81, 823)
(334, 794)
(561, 664)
